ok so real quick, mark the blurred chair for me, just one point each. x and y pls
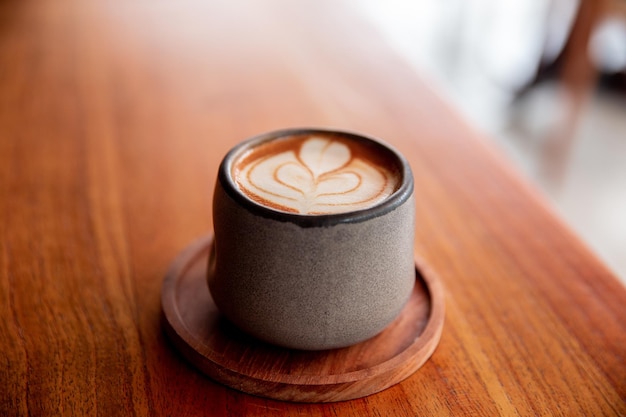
(590, 57)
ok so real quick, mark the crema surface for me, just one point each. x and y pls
(315, 175)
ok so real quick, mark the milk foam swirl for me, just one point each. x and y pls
(321, 177)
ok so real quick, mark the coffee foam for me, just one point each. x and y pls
(316, 175)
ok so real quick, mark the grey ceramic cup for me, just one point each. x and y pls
(311, 282)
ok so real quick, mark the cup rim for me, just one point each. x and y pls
(397, 198)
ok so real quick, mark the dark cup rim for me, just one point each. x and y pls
(402, 194)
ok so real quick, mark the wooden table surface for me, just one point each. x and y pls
(113, 119)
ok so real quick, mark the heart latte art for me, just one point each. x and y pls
(315, 175)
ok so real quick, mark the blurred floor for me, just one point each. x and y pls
(590, 190)
(479, 55)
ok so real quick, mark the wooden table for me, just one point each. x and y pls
(113, 119)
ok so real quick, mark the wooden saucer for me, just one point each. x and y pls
(229, 356)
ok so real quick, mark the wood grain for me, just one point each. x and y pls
(113, 119)
(217, 348)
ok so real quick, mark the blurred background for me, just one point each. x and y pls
(546, 81)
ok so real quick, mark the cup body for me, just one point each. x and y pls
(311, 282)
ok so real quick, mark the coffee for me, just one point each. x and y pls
(297, 212)
(317, 174)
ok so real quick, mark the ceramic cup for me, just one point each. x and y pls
(311, 280)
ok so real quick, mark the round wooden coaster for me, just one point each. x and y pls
(229, 356)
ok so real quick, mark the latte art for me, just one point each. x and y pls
(317, 175)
